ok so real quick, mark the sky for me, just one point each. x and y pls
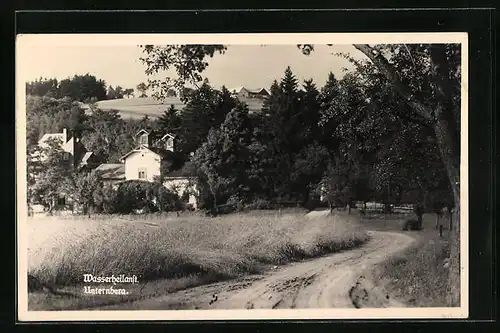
(252, 66)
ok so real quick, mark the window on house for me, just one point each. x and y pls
(66, 156)
(143, 140)
(170, 143)
(142, 174)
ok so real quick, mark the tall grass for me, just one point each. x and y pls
(419, 276)
(176, 247)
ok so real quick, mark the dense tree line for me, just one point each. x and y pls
(353, 139)
(82, 88)
(308, 141)
(411, 104)
(50, 178)
(103, 132)
(305, 141)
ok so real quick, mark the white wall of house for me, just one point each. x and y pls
(180, 185)
(143, 163)
(146, 165)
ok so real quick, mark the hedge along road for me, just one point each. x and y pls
(333, 281)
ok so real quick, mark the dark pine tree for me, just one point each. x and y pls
(170, 121)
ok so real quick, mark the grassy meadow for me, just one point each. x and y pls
(169, 253)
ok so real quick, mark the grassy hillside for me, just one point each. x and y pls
(140, 107)
(172, 253)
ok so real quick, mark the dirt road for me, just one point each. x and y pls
(340, 280)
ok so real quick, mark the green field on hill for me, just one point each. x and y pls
(140, 107)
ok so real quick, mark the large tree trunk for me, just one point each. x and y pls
(450, 217)
(449, 148)
(445, 128)
(454, 268)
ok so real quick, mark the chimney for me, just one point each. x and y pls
(65, 135)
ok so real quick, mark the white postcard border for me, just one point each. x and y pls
(25, 41)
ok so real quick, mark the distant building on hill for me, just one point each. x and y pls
(243, 92)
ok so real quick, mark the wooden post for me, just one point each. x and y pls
(385, 216)
(439, 215)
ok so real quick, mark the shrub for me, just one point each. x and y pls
(105, 199)
(145, 196)
(312, 203)
(236, 202)
(259, 204)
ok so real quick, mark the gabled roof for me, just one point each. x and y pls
(68, 145)
(167, 135)
(86, 157)
(251, 90)
(256, 91)
(136, 150)
(142, 131)
(111, 171)
(236, 89)
(46, 137)
(161, 151)
(155, 134)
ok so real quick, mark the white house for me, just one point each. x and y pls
(182, 182)
(144, 163)
(153, 155)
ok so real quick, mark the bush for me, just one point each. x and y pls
(259, 204)
(144, 196)
(236, 202)
(411, 224)
(105, 200)
(312, 203)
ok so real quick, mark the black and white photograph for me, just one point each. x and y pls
(242, 176)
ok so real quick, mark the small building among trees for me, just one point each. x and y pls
(243, 92)
(111, 174)
(152, 161)
(74, 152)
(52, 166)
